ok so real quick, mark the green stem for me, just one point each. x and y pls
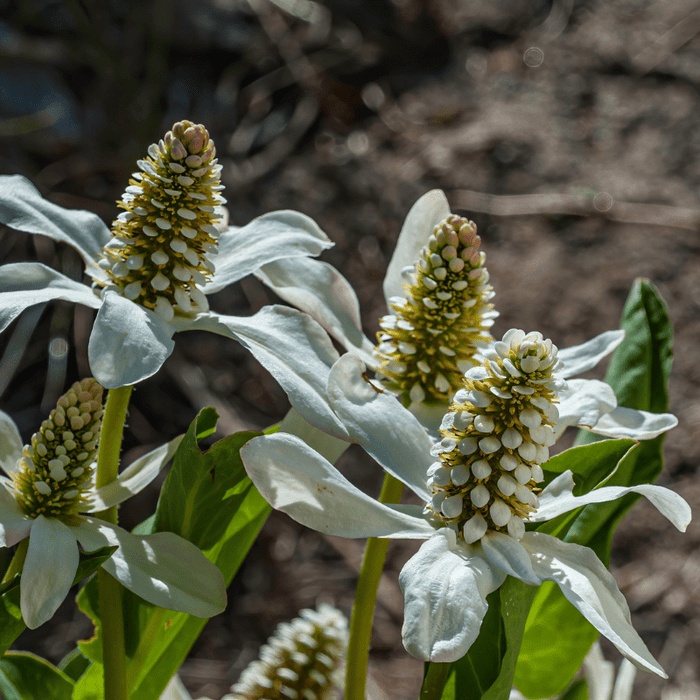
(17, 561)
(109, 589)
(365, 599)
(434, 681)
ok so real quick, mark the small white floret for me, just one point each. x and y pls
(516, 527)
(160, 282)
(490, 445)
(178, 246)
(529, 364)
(181, 273)
(120, 270)
(467, 446)
(481, 469)
(522, 473)
(484, 424)
(462, 419)
(452, 506)
(441, 383)
(479, 398)
(474, 529)
(511, 438)
(479, 496)
(42, 487)
(164, 309)
(191, 257)
(159, 257)
(416, 394)
(531, 418)
(527, 451)
(507, 485)
(459, 474)
(500, 513)
(441, 476)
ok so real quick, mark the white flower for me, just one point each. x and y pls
(300, 660)
(50, 489)
(437, 296)
(446, 583)
(176, 247)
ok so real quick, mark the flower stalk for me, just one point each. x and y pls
(365, 601)
(109, 589)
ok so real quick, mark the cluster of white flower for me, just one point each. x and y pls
(53, 472)
(165, 239)
(429, 341)
(494, 438)
(300, 661)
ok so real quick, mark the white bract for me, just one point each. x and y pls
(48, 496)
(151, 280)
(446, 583)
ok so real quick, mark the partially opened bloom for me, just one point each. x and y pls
(50, 491)
(487, 469)
(437, 295)
(151, 275)
(301, 660)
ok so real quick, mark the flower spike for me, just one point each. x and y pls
(299, 661)
(430, 340)
(53, 475)
(160, 253)
(495, 436)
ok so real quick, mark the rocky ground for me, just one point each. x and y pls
(569, 132)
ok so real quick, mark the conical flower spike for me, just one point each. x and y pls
(429, 341)
(53, 475)
(163, 241)
(300, 661)
(495, 436)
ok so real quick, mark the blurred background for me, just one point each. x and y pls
(568, 130)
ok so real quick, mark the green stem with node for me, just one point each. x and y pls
(365, 599)
(109, 589)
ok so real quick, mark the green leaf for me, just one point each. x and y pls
(486, 672)
(592, 463)
(557, 638)
(577, 691)
(208, 499)
(516, 599)
(24, 676)
(11, 622)
(638, 374)
(74, 664)
(641, 365)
